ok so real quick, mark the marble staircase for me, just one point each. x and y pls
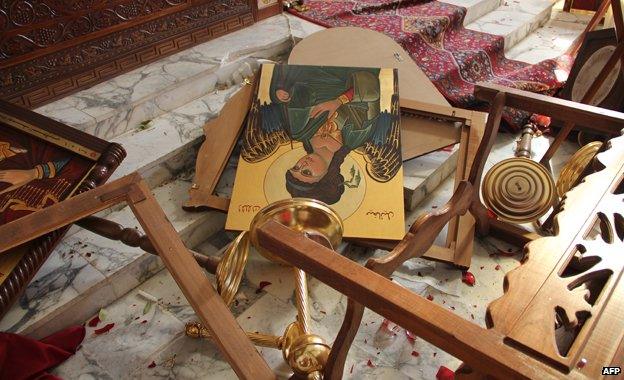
(157, 113)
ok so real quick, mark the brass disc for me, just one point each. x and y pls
(575, 166)
(518, 190)
(302, 215)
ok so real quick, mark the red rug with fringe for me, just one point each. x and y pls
(453, 57)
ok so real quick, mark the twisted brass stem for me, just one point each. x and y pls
(301, 298)
(198, 330)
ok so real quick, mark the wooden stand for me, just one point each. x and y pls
(231, 339)
(469, 129)
(560, 316)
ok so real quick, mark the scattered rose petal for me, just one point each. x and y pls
(152, 365)
(491, 214)
(472, 316)
(386, 334)
(410, 336)
(104, 329)
(144, 321)
(430, 297)
(351, 370)
(261, 286)
(435, 354)
(581, 363)
(481, 267)
(452, 307)
(468, 278)
(415, 354)
(497, 267)
(370, 363)
(445, 374)
(94, 322)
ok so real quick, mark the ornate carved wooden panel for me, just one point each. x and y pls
(50, 48)
(555, 299)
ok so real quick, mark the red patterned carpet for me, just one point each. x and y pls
(453, 57)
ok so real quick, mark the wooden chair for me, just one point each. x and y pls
(570, 286)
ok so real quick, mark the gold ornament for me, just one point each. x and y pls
(231, 267)
(518, 190)
(309, 216)
(575, 166)
(305, 353)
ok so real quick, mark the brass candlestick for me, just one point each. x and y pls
(305, 353)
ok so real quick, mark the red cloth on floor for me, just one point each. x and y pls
(26, 358)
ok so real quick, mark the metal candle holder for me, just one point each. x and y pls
(305, 352)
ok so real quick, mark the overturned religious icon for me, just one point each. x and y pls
(34, 175)
(327, 133)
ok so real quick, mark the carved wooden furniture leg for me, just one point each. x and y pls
(134, 238)
(230, 338)
(228, 269)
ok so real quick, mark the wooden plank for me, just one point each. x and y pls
(483, 350)
(583, 115)
(221, 135)
(63, 213)
(224, 330)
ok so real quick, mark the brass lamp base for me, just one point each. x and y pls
(519, 190)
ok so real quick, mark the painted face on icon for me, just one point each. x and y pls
(310, 168)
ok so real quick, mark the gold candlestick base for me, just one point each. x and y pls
(306, 354)
(519, 190)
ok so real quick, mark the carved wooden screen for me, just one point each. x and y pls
(568, 287)
(50, 48)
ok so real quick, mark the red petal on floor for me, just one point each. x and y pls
(415, 353)
(468, 278)
(262, 285)
(151, 365)
(491, 214)
(430, 297)
(370, 364)
(94, 322)
(351, 370)
(104, 329)
(410, 336)
(445, 374)
(497, 267)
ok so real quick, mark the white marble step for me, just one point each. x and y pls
(551, 40)
(87, 272)
(120, 104)
(475, 8)
(514, 20)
